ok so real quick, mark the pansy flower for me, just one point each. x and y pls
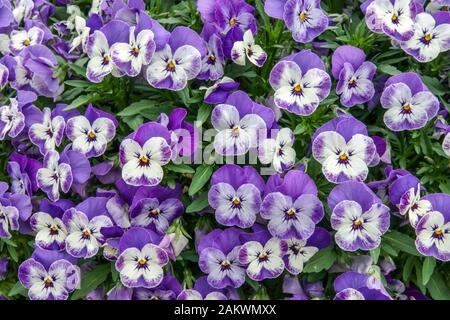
(304, 18)
(248, 48)
(395, 18)
(9, 220)
(91, 133)
(4, 76)
(446, 144)
(218, 257)
(168, 289)
(278, 151)
(300, 83)
(412, 206)
(292, 206)
(130, 57)
(179, 61)
(83, 224)
(240, 123)
(24, 38)
(213, 61)
(191, 294)
(143, 154)
(50, 231)
(433, 229)
(431, 37)
(409, 103)
(22, 172)
(356, 286)
(358, 216)
(354, 75)
(12, 120)
(49, 275)
(55, 175)
(140, 261)
(219, 91)
(263, 262)
(235, 195)
(48, 134)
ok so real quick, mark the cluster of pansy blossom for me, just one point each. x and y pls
(91, 186)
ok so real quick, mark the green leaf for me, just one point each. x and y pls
(79, 70)
(198, 204)
(136, 108)
(427, 269)
(18, 289)
(200, 178)
(401, 242)
(81, 100)
(134, 121)
(91, 280)
(189, 255)
(322, 260)
(375, 254)
(203, 113)
(438, 288)
(434, 85)
(407, 268)
(77, 83)
(179, 168)
(13, 253)
(388, 69)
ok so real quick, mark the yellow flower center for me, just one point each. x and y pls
(394, 18)
(343, 157)
(86, 234)
(291, 212)
(407, 107)
(232, 22)
(444, 8)
(91, 134)
(351, 82)
(171, 65)
(48, 282)
(225, 264)
(26, 42)
(54, 228)
(142, 262)
(136, 51)
(302, 16)
(212, 57)
(298, 88)
(105, 59)
(438, 232)
(427, 37)
(357, 223)
(143, 159)
(154, 212)
(262, 256)
(236, 201)
(235, 131)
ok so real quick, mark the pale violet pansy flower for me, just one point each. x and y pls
(446, 144)
(22, 10)
(54, 176)
(98, 51)
(248, 48)
(82, 34)
(343, 160)
(191, 294)
(50, 231)
(12, 120)
(298, 253)
(24, 38)
(428, 40)
(90, 139)
(130, 57)
(142, 267)
(48, 134)
(278, 151)
(9, 220)
(83, 234)
(263, 262)
(235, 135)
(412, 206)
(4, 75)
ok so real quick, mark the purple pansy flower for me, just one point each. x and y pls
(22, 173)
(191, 294)
(278, 152)
(143, 154)
(410, 105)
(356, 286)
(24, 38)
(247, 48)
(48, 134)
(179, 61)
(304, 18)
(358, 216)
(12, 120)
(218, 257)
(55, 175)
(213, 61)
(393, 17)
(49, 275)
(83, 224)
(433, 229)
(240, 123)
(235, 195)
(430, 37)
(354, 75)
(263, 262)
(292, 208)
(300, 83)
(4, 76)
(411, 205)
(9, 220)
(168, 289)
(219, 91)
(140, 262)
(446, 144)
(50, 231)
(130, 57)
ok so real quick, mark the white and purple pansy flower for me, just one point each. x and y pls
(130, 57)
(155, 208)
(357, 286)
(235, 195)
(412, 206)
(354, 75)
(9, 220)
(343, 160)
(12, 120)
(49, 275)
(446, 144)
(143, 154)
(300, 83)
(408, 102)
(179, 61)
(140, 261)
(358, 216)
(24, 38)
(433, 229)
(278, 152)
(48, 134)
(292, 207)
(395, 18)
(191, 294)
(50, 231)
(4, 76)
(263, 262)
(248, 48)
(431, 37)
(220, 90)
(84, 237)
(213, 61)
(54, 175)
(240, 123)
